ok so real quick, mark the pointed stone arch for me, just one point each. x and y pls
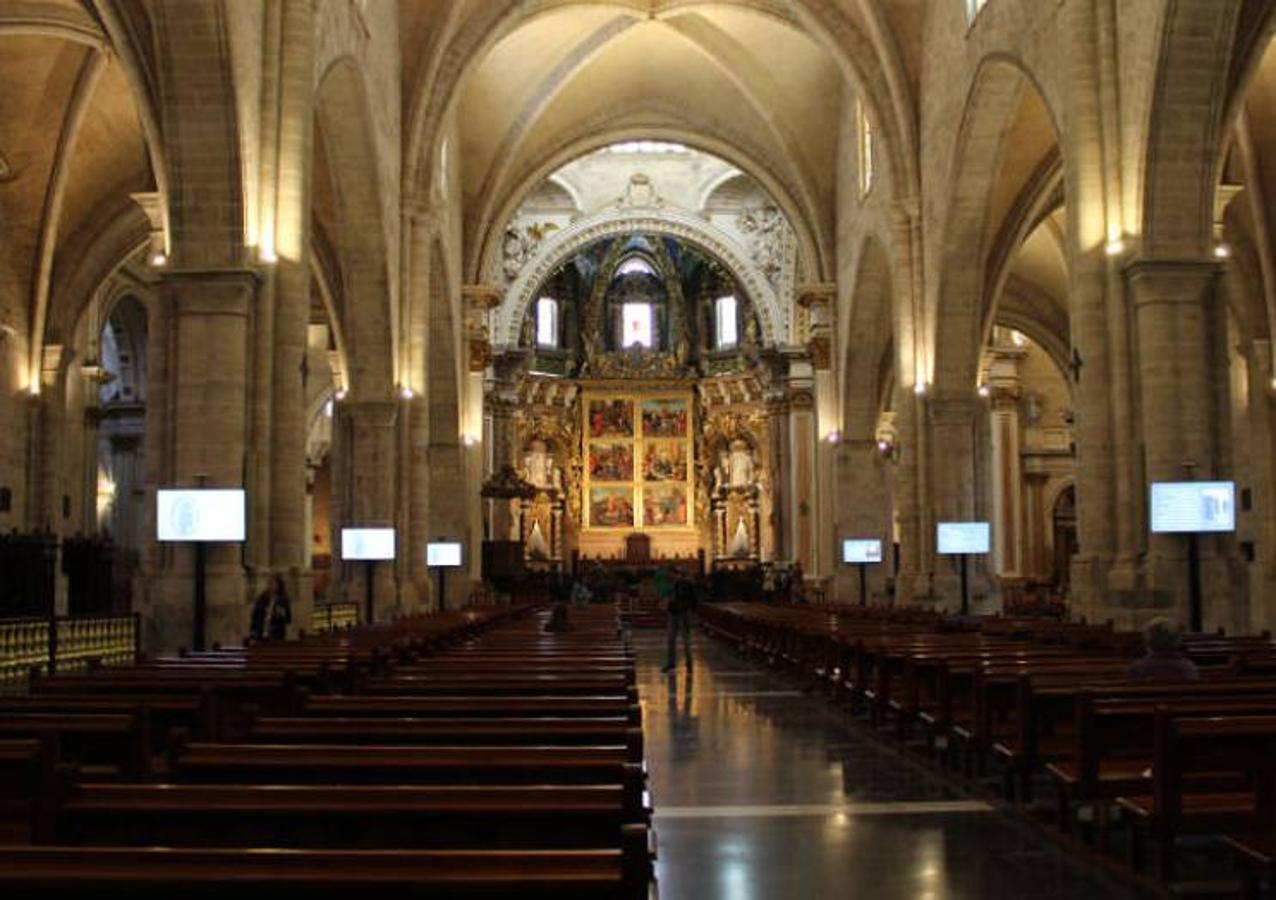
(370, 323)
(958, 310)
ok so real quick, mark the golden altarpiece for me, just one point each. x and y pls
(640, 400)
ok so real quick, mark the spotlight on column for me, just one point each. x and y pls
(1222, 250)
(920, 389)
(1114, 247)
(405, 393)
(985, 390)
(339, 395)
(833, 437)
(469, 440)
(159, 259)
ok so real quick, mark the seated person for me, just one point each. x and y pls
(1164, 660)
(558, 621)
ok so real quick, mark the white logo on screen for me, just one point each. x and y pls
(183, 517)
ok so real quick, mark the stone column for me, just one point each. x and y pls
(1007, 492)
(501, 406)
(913, 580)
(780, 504)
(1181, 356)
(368, 437)
(1260, 422)
(951, 423)
(287, 143)
(863, 503)
(1037, 522)
(198, 426)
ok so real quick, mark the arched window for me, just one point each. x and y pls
(637, 298)
(864, 144)
(547, 322)
(726, 331)
(635, 265)
(637, 326)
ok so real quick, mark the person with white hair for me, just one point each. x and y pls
(1164, 660)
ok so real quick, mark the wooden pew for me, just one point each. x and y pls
(403, 764)
(1046, 712)
(509, 682)
(347, 816)
(474, 707)
(109, 744)
(151, 873)
(162, 712)
(27, 786)
(552, 731)
(1191, 747)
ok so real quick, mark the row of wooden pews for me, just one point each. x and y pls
(467, 753)
(1033, 704)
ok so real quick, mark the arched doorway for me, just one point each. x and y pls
(121, 458)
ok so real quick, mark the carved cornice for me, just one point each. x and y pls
(482, 297)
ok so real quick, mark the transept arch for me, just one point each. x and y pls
(675, 223)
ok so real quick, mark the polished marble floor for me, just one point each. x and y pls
(763, 792)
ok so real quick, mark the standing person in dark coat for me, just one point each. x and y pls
(280, 611)
(679, 610)
(257, 619)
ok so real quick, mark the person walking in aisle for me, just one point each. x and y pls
(679, 611)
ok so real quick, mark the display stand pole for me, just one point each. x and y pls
(442, 570)
(965, 588)
(369, 599)
(1196, 603)
(863, 567)
(201, 598)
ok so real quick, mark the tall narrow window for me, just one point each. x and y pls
(864, 135)
(637, 328)
(547, 322)
(972, 9)
(725, 321)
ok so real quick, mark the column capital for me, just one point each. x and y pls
(482, 297)
(370, 413)
(814, 294)
(948, 410)
(1166, 280)
(210, 292)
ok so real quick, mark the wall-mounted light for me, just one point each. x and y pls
(833, 437)
(1114, 247)
(985, 390)
(339, 395)
(405, 393)
(1222, 250)
(920, 389)
(887, 449)
(469, 440)
(268, 256)
(159, 259)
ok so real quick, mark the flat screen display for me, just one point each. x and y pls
(367, 543)
(200, 515)
(857, 550)
(961, 537)
(442, 554)
(1182, 507)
